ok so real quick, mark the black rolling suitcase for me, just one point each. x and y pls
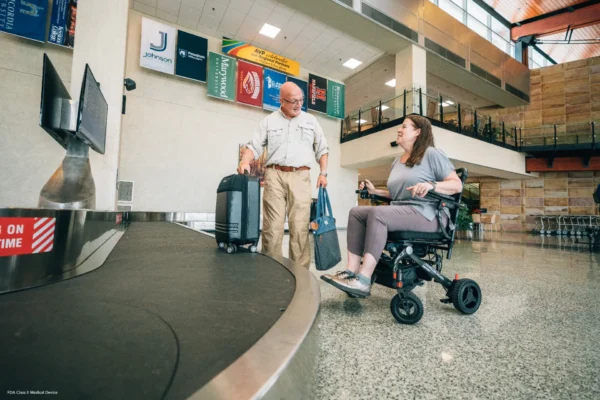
(237, 216)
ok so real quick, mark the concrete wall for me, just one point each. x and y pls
(177, 143)
(28, 155)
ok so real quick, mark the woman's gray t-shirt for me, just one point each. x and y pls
(435, 166)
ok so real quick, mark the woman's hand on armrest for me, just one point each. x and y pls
(372, 190)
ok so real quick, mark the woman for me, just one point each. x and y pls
(421, 168)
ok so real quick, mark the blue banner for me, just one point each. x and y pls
(304, 86)
(58, 22)
(272, 83)
(24, 18)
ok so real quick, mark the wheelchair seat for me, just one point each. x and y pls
(415, 236)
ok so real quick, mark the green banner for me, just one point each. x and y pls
(335, 99)
(221, 76)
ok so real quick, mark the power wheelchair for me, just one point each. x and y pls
(415, 257)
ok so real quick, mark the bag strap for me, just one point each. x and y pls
(320, 205)
(326, 196)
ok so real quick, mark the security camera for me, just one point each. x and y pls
(129, 84)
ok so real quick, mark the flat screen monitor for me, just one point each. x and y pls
(93, 113)
(53, 94)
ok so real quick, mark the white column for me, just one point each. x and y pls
(101, 42)
(411, 72)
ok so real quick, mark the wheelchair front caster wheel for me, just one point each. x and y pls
(466, 296)
(253, 249)
(407, 309)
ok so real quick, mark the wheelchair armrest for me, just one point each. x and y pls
(449, 200)
(364, 194)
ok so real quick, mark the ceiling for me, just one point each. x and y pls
(520, 10)
(316, 46)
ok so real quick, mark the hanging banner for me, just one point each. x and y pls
(158, 46)
(58, 22)
(304, 86)
(258, 56)
(249, 84)
(221, 76)
(191, 56)
(26, 236)
(24, 18)
(317, 93)
(272, 84)
(335, 99)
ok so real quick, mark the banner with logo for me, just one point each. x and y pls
(304, 86)
(335, 99)
(272, 83)
(249, 84)
(251, 53)
(62, 22)
(221, 76)
(158, 46)
(317, 93)
(24, 18)
(191, 56)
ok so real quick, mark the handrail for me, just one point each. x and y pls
(466, 121)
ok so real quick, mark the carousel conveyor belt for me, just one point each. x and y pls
(160, 318)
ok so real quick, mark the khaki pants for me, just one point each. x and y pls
(287, 191)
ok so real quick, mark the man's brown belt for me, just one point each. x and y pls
(287, 169)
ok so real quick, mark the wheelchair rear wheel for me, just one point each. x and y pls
(407, 309)
(466, 296)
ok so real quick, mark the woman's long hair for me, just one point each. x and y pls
(424, 140)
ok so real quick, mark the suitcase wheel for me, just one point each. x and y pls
(232, 248)
(221, 245)
(253, 248)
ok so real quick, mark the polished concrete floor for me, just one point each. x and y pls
(536, 335)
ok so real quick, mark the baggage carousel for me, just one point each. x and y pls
(133, 305)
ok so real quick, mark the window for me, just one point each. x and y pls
(451, 8)
(537, 57)
(502, 30)
(500, 43)
(478, 27)
(477, 12)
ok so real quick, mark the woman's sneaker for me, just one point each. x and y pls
(352, 286)
(339, 275)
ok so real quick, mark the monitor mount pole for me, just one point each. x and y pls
(72, 184)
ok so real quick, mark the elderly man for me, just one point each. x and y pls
(292, 138)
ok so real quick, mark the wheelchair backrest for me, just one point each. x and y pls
(463, 174)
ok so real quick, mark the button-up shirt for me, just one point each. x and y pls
(289, 142)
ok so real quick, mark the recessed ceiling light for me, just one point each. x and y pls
(362, 121)
(352, 63)
(391, 83)
(269, 30)
(383, 107)
(447, 103)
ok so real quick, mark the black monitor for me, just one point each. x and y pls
(93, 113)
(53, 94)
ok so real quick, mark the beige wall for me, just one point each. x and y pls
(478, 156)
(28, 155)
(177, 143)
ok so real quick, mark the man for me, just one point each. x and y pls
(292, 138)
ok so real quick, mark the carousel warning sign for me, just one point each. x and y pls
(26, 236)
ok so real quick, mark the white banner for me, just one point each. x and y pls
(158, 46)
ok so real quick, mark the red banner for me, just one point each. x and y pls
(249, 84)
(26, 236)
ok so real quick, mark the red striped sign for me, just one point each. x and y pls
(26, 236)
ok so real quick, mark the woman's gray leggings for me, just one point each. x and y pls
(368, 226)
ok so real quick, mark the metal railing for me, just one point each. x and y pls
(445, 113)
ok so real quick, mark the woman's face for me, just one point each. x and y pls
(407, 134)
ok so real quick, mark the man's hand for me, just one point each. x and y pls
(420, 189)
(322, 181)
(243, 167)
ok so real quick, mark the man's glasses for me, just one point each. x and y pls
(294, 102)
